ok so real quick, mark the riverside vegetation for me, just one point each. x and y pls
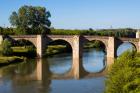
(124, 75)
(6, 56)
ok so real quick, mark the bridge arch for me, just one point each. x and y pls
(131, 45)
(51, 38)
(24, 42)
(61, 46)
(94, 48)
(30, 38)
(103, 40)
(61, 42)
(96, 44)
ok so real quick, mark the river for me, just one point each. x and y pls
(25, 77)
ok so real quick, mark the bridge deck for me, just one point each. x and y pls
(71, 36)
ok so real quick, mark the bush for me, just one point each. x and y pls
(6, 48)
(124, 75)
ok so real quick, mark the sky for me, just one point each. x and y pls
(81, 14)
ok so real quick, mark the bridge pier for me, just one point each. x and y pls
(77, 57)
(111, 53)
(39, 70)
(39, 46)
(1, 39)
(42, 70)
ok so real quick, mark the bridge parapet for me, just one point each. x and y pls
(60, 36)
(129, 39)
(23, 36)
(99, 37)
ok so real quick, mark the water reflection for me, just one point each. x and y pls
(61, 63)
(28, 77)
(41, 76)
(94, 61)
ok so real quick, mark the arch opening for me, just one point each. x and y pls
(59, 56)
(23, 47)
(124, 47)
(94, 56)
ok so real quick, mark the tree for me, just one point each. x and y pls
(6, 48)
(31, 20)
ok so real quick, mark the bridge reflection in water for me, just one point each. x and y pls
(43, 71)
(43, 75)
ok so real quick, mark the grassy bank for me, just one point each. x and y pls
(55, 49)
(16, 57)
(10, 60)
(26, 51)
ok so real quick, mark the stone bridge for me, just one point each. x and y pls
(77, 42)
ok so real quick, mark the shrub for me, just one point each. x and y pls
(6, 48)
(124, 75)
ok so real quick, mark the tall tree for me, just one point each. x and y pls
(31, 20)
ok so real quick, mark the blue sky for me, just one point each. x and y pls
(81, 14)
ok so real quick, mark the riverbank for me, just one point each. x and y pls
(55, 49)
(10, 60)
(13, 58)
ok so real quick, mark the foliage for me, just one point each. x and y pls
(31, 20)
(124, 75)
(126, 32)
(7, 31)
(6, 48)
(95, 44)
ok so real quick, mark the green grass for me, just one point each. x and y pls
(55, 49)
(20, 49)
(9, 60)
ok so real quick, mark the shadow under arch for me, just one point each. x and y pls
(124, 46)
(28, 47)
(23, 42)
(94, 56)
(59, 54)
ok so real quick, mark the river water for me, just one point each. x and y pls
(36, 76)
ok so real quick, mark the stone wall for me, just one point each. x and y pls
(1, 39)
